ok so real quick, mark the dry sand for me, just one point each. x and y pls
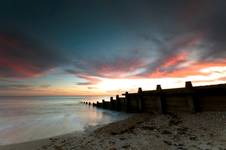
(198, 131)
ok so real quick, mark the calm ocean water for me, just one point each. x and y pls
(30, 118)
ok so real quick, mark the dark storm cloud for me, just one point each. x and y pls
(208, 17)
(90, 88)
(83, 83)
(197, 26)
(15, 86)
(173, 28)
(160, 31)
(116, 66)
(23, 56)
(45, 86)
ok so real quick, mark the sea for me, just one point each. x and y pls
(25, 119)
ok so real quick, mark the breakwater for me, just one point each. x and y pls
(187, 99)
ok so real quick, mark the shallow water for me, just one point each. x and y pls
(30, 118)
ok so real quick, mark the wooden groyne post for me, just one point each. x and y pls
(98, 104)
(140, 103)
(161, 99)
(127, 100)
(103, 104)
(192, 101)
(112, 103)
(118, 103)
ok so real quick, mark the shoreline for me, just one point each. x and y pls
(206, 130)
(41, 143)
(36, 144)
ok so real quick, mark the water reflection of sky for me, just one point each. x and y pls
(33, 118)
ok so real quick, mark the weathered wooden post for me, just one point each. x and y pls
(192, 102)
(162, 100)
(140, 100)
(111, 103)
(118, 105)
(127, 102)
(158, 88)
(103, 103)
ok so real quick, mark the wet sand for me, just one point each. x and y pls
(205, 130)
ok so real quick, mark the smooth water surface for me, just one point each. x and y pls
(30, 118)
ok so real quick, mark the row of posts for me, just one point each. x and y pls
(124, 103)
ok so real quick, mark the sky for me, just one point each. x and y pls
(106, 47)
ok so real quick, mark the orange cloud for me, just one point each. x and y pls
(192, 70)
(90, 80)
(22, 56)
(179, 58)
(22, 69)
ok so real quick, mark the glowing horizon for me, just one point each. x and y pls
(105, 86)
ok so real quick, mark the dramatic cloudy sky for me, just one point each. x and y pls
(95, 47)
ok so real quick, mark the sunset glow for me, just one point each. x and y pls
(63, 50)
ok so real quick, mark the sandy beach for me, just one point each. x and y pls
(205, 130)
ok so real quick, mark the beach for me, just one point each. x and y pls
(183, 131)
(112, 75)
